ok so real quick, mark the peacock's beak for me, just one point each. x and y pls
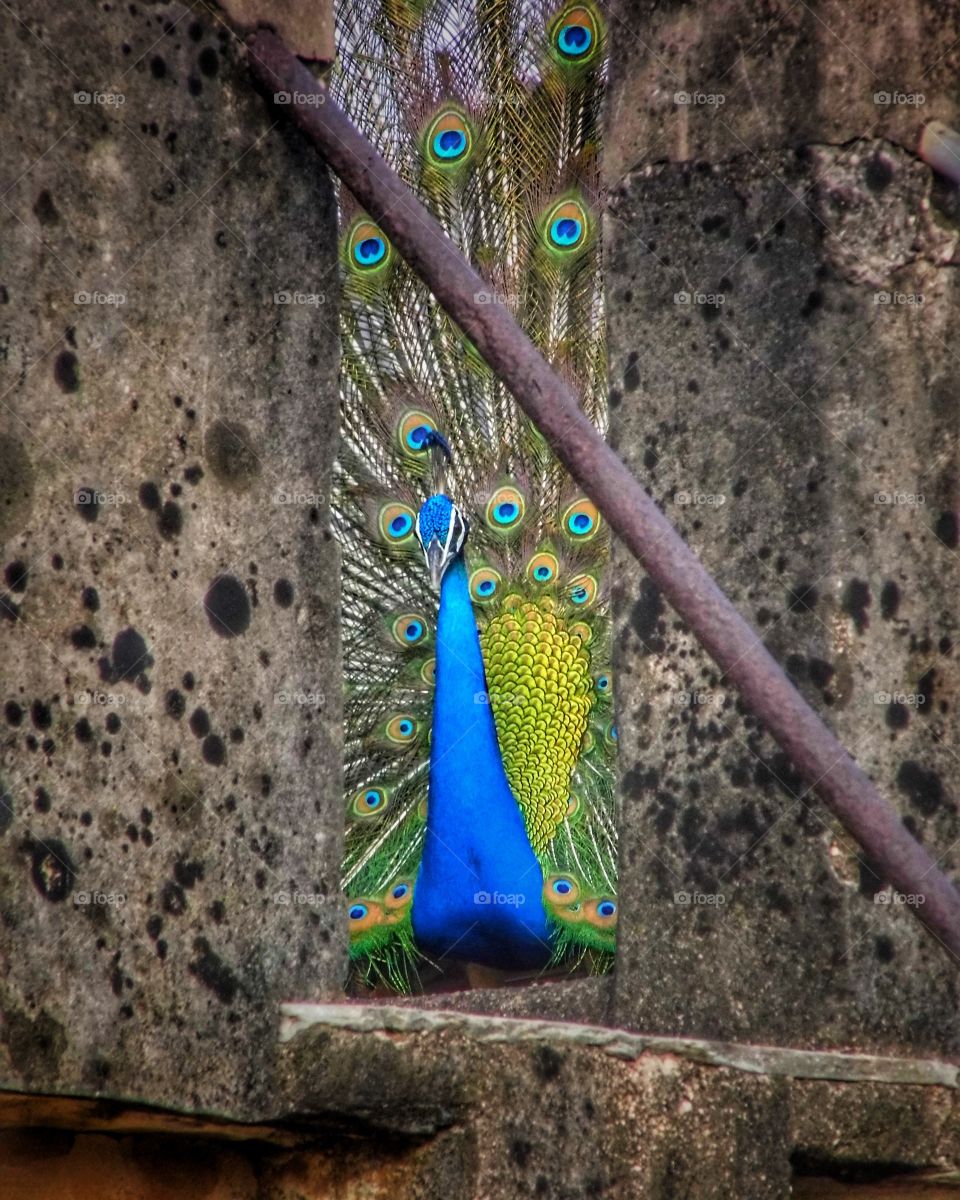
(435, 555)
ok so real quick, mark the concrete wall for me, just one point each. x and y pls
(169, 649)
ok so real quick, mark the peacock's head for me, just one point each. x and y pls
(441, 531)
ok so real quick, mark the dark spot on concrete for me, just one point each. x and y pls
(208, 62)
(716, 223)
(922, 787)
(16, 484)
(187, 873)
(855, 602)
(83, 730)
(65, 371)
(188, 681)
(193, 475)
(158, 68)
(821, 672)
(90, 599)
(13, 713)
(547, 1062)
(112, 723)
(227, 606)
(897, 715)
(229, 451)
(946, 529)
(56, 561)
(41, 800)
(740, 487)
(520, 1150)
(87, 503)
(213, 972)
(40, 715)
(214, 750)
(884, 948)
(6, 809)
(52, 870)
(174, 704)
(9, 608)
(925, 687)
(82, 637)
(199, 722)
(631, 373)
(646, 614)
(889, 600)
(283, 593)
(170, 522)
(802, 598)
(149, 495)
(173, 899)
(194, 86)
(218, 911)
(45, 210)
(130, 655)
(16, 576)
(154, 926)
(878, 173)
(812, 304)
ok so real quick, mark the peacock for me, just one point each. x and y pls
(480, 726)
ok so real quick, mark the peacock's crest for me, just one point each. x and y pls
(490, 111)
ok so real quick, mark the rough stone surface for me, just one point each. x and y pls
(782, 315)
(169, 736)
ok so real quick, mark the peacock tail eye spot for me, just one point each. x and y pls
(396, 523)
(581, 520)
(428, 672)
(369, 802)
(449, 139)
(606, 908)
(398, 895)
(602, 683)
(357, 912)
(565, 227)
(484, 584)
(505, 509)
(363, 914)
(583, 590)
(574, 35)
(543, 568)
(581, 629)
(401, 729)
(561, 889)
(601, 913)
(412, 430)
(610, 734)
(367, 247)
(409, 629)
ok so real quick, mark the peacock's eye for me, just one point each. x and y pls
(574, 34)
(369, 802)
(606, 908)
(610, 734)
(583, 590)
(396, 523)
(367, 247)
(543, 568)
(358, 912)
(505, 509)
(581, 520)
(412, 430)
(566, 226)
(401, 729)
(428, 671)
(561, 889)
(484, 584)
(409, 629)
(603, 683)
(601, 913)
(581, 629)
(449, 139)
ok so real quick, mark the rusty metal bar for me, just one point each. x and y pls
(633, 516)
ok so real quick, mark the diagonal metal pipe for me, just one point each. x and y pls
(633, 516)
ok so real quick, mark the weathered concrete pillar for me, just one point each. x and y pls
(170, 737)
(783, 332)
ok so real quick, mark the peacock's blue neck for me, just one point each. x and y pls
(479, 891)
